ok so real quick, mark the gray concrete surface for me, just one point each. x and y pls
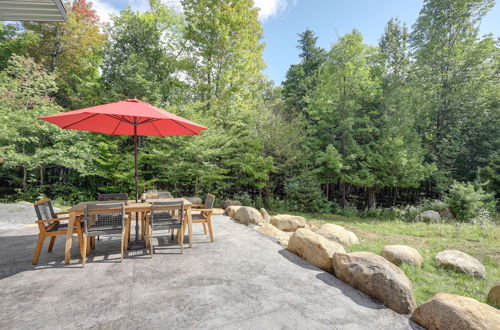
(241, 281)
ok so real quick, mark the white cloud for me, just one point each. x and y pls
(104, 9)
(268, 8)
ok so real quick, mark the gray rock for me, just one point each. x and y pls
(446, 311)
(430, 216)
(494, 295)
(338, 234)
(265, 215)
(230, 211)
(269, 230)
(225, 204)
(460, 262)
(288, 222)
(402, 254)
(248, 216)
(314, 248)
(377, 278)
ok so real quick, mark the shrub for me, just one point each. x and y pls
(433, 204)
(303, 194)
(465, 200)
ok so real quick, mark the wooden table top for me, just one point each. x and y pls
(131, 205)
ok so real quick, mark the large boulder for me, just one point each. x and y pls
(225, 204)
(314, 248)
(446, 213)
(376, 277)
(265, 215)
(314, 225)
(430, 216)
(288, 222)
(402, 254)
(269, 230)
(230, 211)
(494, 295)
(248, 216)
(460, 262)
(338, 234)
(217, 211)
(446, 311)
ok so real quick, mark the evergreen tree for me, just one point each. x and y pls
(301, 78)
(454, 79)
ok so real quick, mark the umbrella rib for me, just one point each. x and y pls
(120, 118)
(119, 122)
(175, 121)
(156, 128)
(79, 121)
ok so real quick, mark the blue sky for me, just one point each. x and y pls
(284, 19)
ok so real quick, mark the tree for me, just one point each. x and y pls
(301, 78)
(26, 143)
(13, 40)
(454, 78)
(72, 50)
(224, 41)
(141, 58)
(343, 104)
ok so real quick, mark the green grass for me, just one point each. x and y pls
(429, 239)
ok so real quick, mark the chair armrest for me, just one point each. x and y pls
(65, 212)
(48, 220)
(197, 205)
(204, 210)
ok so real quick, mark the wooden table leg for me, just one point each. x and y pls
(69, 237)
(190, 227)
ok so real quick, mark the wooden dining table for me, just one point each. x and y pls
(76, 212)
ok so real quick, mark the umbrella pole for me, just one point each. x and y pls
(136, 179)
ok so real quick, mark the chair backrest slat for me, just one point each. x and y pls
(104, 217)
(209, 201)
(172, 212)
(113, 197)
(44, 211)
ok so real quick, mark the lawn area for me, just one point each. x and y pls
(429, 239)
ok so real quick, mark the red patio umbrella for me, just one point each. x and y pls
(128, 117)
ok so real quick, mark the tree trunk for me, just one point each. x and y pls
(25, 179)
(371, 197)
(343, 193)
(41, 175)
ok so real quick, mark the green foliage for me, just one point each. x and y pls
(465, 200)
(395, 123)
(303, 195)
(139, 61)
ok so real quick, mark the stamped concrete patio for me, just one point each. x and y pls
(243, 280)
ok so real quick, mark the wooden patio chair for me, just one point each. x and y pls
(103, 219)
(165, 216)
(122, 197)
(205, 215)
(52, 225)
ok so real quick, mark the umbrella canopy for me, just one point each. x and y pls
(128, 117)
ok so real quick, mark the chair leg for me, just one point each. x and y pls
(51, 244)
(122, 244)
(209, 223)
(79, 233)
(84, 250)
(181, 241)
(92, 242)
(150, 237)
(87, 246)
(38, 248)
(204, 228)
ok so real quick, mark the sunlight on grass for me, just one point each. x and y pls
(429, 239)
